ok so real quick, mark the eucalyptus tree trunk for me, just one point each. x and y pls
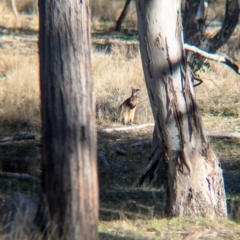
(194, 178)
(69, 163)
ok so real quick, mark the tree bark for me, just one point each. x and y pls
(194, 178)
(69, 160)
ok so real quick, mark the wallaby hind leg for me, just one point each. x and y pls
(125, 119)
(131, 115)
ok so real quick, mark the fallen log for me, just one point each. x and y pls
(17, 137)
(130, 128)
(224, 135)
(20, 176)
(102, 159)
(120, 151)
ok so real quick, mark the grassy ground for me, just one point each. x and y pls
(125, 212)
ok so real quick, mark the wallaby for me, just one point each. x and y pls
(128, 107)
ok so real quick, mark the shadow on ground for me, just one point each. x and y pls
(108, 236)
(118, 200)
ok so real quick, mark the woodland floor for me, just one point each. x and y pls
(126, 212)
(118, 200)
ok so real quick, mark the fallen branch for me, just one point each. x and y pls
(17, 159)
(128, 128)
(20, 176)
(17, 137)
(143, 144)
(149, 172)
(224, 135)
(120, 151)
(102, 159)
(226, 60)
(155, 173)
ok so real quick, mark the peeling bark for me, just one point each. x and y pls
(194, 178)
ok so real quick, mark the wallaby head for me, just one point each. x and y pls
(134, 91)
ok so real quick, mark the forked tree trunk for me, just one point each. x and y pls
(194, 177)
(69, 163)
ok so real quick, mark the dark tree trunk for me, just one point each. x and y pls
(69, 163)
(194, 179)
(123, 15)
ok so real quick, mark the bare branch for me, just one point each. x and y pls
(226, 60)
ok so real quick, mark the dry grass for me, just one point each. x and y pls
(27, 20)
(175, 229)
(23, 6)
(19, 89)
(102, 10)
(219, 98)
(220, 93)
(109, 11)
(114, 74)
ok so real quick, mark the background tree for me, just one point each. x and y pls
(69, 166)
(14, 8)
(180, 148)
(122, 15)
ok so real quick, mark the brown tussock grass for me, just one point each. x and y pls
(19, 89)
(219, 97)
(114, 75)
(109, 11)
(27, 19)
